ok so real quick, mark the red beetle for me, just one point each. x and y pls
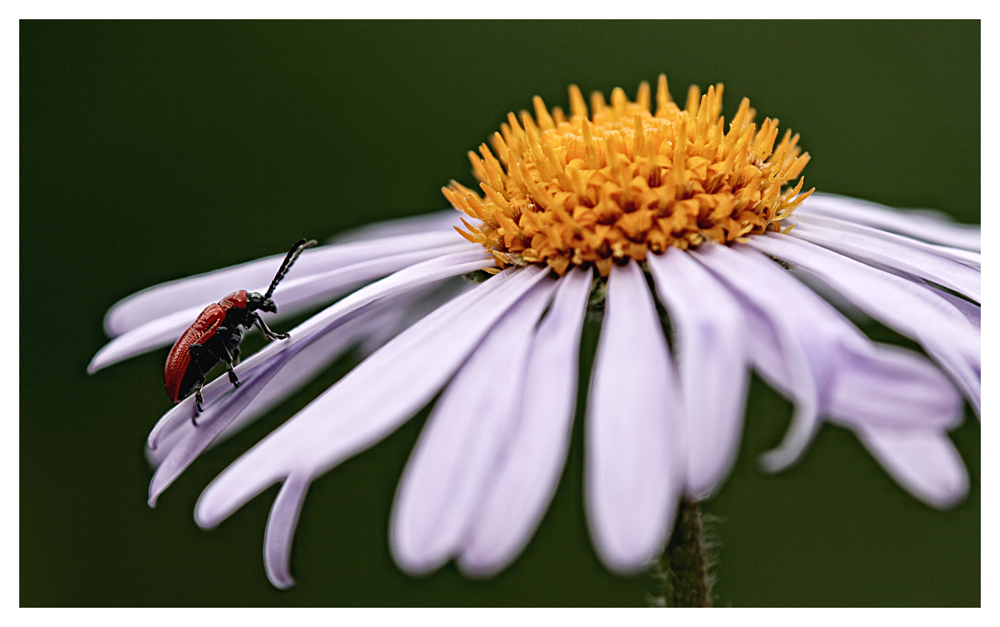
(216, 335)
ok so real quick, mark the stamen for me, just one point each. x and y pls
(582, 191)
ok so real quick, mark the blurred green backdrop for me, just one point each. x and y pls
(155, 150)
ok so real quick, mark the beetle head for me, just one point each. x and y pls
(257, 302)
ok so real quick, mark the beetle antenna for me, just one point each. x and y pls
(286, 265)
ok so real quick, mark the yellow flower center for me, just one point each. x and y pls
(576, 191)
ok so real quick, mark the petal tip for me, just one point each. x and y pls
(203, 516)
(773, 462)
(413, 560)
(477, 567)
(281, 581)
(97, 363)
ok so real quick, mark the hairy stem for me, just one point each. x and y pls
(684, 564)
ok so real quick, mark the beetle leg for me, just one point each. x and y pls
(229, 368)
(268, 333)
(198, 400)
(196, 350)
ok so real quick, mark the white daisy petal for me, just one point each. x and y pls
(930, 226)
(372, 400)
(460, 446)
(525, 480)
(280, 531)
(923, 461)
(950, 273)
(712, 365)
(633, 431)
(297, 295)
(968, 257)
(911, 309)
(198, 291)
(259, 369)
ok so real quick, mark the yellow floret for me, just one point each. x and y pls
(578, 191)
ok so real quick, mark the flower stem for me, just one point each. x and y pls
(685, 561)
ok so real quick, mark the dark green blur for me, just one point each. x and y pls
(155, 150)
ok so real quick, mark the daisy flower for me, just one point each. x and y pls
(694, 239)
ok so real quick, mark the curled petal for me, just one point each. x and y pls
(633, 434)
(914, 310)
(281, 530)
(807, 344)
(785, 343)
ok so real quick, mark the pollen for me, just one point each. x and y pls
(619, 180)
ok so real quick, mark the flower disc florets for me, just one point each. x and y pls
(571, 191)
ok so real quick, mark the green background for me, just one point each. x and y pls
(155, 150)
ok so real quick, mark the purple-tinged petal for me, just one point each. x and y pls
(526, 479)
(427, 223)
(297, 295)
(968, 257)
(853, 381)
(407, 310)
(786, 343)
(952, 274)
(923, 461)
(851, 311)
(634, 430)
(972, 312)
(401, 377)
(930, 226)
(710, 350)
(908, 307)
(261, 367)
(198, 291)
(280, 530)
(460, 447)
(886, 386)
